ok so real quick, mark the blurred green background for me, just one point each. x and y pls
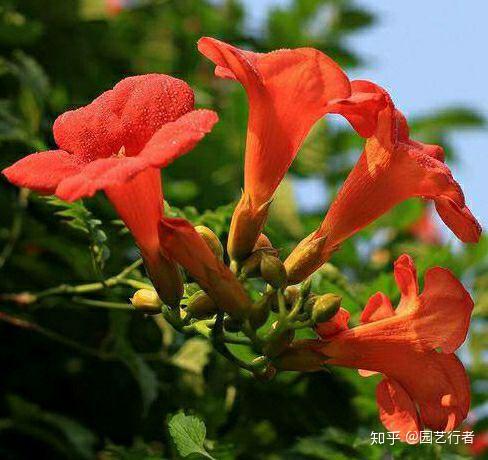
(81, 382)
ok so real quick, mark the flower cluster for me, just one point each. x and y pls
(119, 143)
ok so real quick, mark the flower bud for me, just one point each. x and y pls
(305, 258)
(251, 265)
(278, 343)
(273, 271)
(245, 227)
(200, 305)
(299, 359)
(291, 295)
(211, 239)
(165, 276)
(325, 307)
(258, 315)
(263, 242)
(147, 301)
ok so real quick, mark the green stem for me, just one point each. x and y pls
(64, 289)
(302, 324)
(103, 304)
(256, 341)
(282, 306)
(219, 345)
(202, 328)
(296, 309)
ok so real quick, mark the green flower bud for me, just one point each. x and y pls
(200, 305)
(273, 271)
(325, 307)
(291, 295)
(212, 240)
(147, 301)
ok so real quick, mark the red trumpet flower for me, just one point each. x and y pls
(288, 91)
(181, 243)
(391, 169)
(412, 346)
(118, 144)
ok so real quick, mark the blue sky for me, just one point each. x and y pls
(429, 55)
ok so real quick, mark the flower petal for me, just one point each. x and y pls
(174, 139)
(378, 307)
(139, 203)
(406, 275)
(397, 410)
(435, 381)
(98, 175)
(126, 116)
(43, 171)
(459, 219)
(361, 109)
(275, 83)
(168, 143)
(182, 244)
(443, 394)
(443, 318)
(406, 280)
(404, 347)
(335, 325)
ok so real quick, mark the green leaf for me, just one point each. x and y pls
(448, 119)
(188, 433)
(80, 218)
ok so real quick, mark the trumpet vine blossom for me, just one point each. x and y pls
(391, 169)
(423, 383)
(118, 144)
(288, 91)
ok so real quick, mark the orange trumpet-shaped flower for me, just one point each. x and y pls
(412, 346)
(118, 143)
(391, 169)
(288, 91)
(181, 243)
